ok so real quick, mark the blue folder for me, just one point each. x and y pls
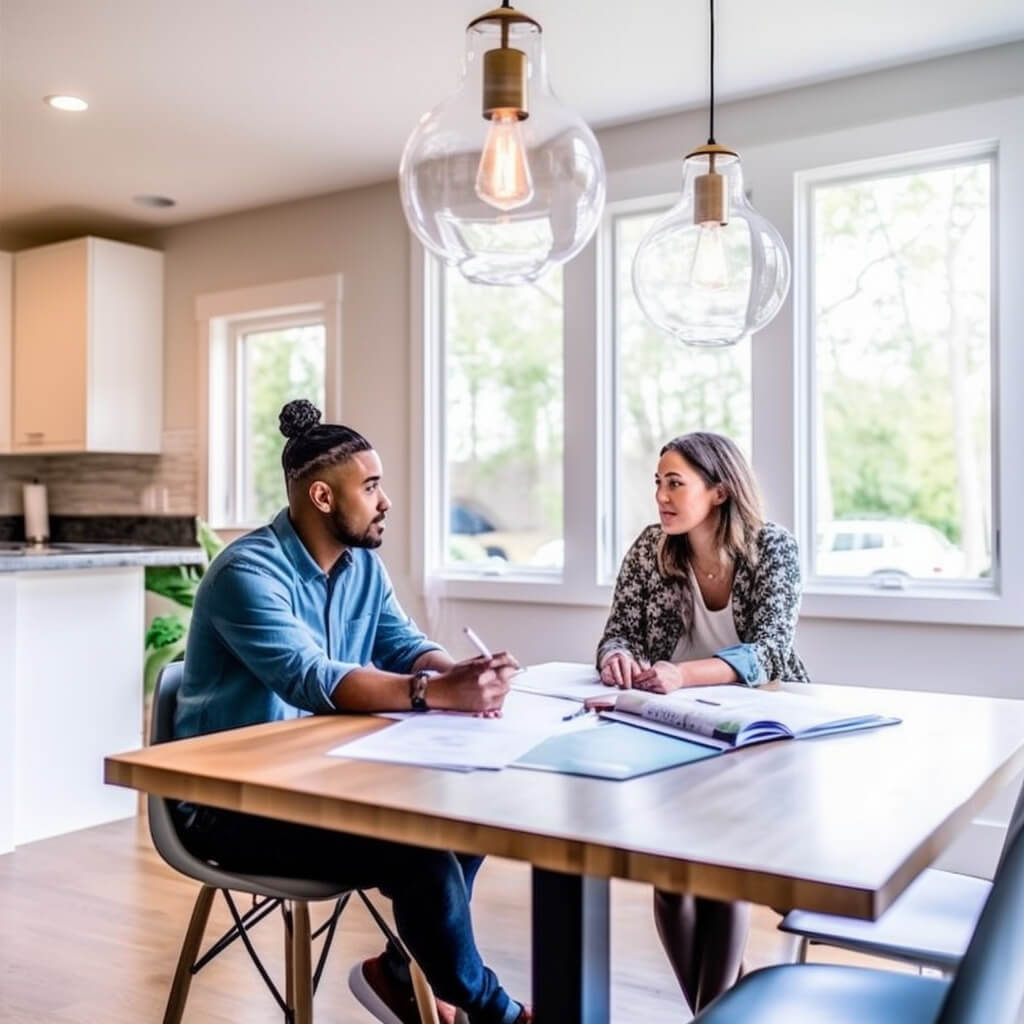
(612, 750)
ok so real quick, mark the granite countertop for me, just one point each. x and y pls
(17, 557)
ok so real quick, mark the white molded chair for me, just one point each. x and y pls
(930, 925)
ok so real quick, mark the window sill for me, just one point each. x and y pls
(939, 606)
(525, 588)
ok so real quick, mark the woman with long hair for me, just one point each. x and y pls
(708, 595)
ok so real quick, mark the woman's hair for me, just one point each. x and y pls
(312, 445)
(740, 517)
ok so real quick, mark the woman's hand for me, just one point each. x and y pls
(661, 677)
(620, 670)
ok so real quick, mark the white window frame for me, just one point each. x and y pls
(577, 581)
(223, 319)
(610, 467)
(991, 130)
(777, 371)
(587, 576)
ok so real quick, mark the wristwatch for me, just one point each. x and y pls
(418, 689)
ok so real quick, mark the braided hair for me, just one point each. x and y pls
(313, 445)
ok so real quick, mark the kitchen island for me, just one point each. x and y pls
(72, 619)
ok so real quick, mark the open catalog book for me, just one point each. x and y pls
(726, 717)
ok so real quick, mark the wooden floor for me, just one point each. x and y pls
(91, 923)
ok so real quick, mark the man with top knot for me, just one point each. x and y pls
(299, 617)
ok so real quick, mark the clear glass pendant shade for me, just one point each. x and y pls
(503, 192)
(707, 282)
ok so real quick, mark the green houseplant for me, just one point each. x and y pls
(166, 636)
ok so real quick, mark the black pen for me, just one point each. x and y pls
(701, 700)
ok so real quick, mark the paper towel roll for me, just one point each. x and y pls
(37, 519)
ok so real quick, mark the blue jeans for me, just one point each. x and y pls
(429, 891)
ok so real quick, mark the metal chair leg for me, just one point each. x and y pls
(302, 964)
(425, 1002)
(187, 957)
(790, 952)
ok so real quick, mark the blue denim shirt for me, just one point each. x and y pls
(272, 634)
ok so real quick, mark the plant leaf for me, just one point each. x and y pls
(178, 583)
(209, 541)
(157, 658)
(164, 630)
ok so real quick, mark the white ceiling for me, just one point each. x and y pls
(227, 104)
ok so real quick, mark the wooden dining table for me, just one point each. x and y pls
(840, 824)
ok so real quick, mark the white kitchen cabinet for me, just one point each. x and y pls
(70, 694)
(88, 348)
(6, 353)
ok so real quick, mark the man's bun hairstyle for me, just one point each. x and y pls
(313, 445)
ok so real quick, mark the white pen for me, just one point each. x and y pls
(476, 641)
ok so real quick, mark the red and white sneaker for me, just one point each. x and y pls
(386, 998)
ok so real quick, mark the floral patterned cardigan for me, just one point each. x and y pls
(650, 612)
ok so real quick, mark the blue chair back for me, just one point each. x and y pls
(989, 985)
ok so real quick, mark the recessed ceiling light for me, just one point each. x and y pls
(70, 103)
(157, 202)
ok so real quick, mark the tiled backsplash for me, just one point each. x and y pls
(108, 485)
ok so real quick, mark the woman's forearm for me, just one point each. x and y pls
(707, 672)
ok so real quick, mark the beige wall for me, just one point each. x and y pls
(360, 233)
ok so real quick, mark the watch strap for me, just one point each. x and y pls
(418, 690)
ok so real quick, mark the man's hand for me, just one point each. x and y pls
(478, 685)
(620, 670)
(661, 677)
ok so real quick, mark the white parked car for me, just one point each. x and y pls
(867, 547)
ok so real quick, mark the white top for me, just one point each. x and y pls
(711, 632)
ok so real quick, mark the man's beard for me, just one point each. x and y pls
(348, 535)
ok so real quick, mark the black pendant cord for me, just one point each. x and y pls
(711, 107)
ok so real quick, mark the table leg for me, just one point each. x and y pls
(570, 949)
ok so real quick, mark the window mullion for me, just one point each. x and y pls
(582, 474)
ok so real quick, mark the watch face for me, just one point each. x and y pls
(418, 691)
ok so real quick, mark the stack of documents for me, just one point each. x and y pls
(458, 740)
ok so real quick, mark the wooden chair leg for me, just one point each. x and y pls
(187, 957)
(425, 1002)
(289, 966)
(302, 964)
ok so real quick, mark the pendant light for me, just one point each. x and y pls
(711, 270)
(501, 179)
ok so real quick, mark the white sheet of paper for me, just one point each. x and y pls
(568, 680)
(460, 741)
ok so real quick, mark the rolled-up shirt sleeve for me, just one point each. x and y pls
(398, 641)
(254, 619)
(743, 660)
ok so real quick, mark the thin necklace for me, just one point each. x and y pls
(703, 572)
